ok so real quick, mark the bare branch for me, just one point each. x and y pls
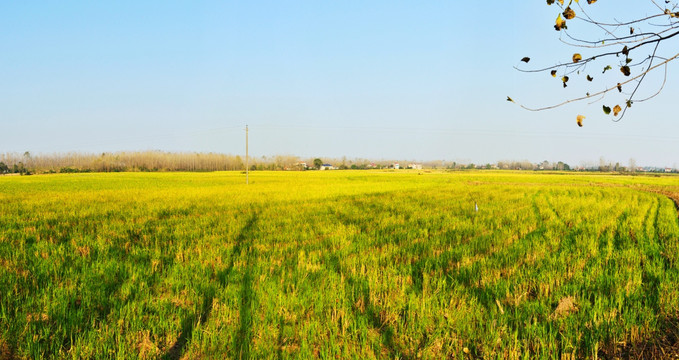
(589, 20)
(614, 42)
(662, 86)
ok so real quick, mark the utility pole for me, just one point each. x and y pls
(247, 159)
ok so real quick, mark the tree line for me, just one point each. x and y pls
(73, 162)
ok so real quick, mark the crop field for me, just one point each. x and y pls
(338, 264)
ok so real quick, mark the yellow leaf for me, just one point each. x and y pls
(577, 57)
(580, 118)
(560, 23)
(616, 110)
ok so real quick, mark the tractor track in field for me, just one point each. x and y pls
(665, 346)
(674, 196)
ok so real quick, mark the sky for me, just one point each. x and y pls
(363, 79)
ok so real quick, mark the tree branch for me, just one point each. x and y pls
(584, 61)
(603, 91)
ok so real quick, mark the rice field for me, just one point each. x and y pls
(337, 264)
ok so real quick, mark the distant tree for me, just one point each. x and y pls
(318, 163)
(632, 165)
(632, 46)
(20, 169)
(603, 166)
(4, 169)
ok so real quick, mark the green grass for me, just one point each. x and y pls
(335, 264)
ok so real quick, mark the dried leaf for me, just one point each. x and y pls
(560, 23)
(608, 67)
(591, 1)
(577, 57)
(625, 70)
(589, 78)
(510, 99)
(619, 87)
(553, 73)
(579, 120)
(526, 59)
(625, 51)
(616, 110)
(569, 13)
(607, 110)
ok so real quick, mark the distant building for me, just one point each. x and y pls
(397, 166)
(415, 166)
(327, 167)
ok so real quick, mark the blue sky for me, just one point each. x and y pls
(379, 79)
